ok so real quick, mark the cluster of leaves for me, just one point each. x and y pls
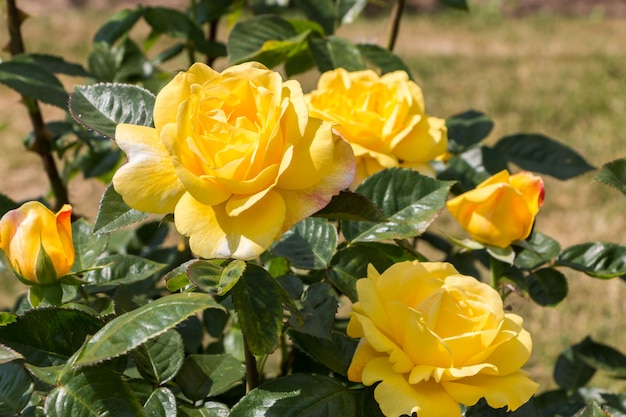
(124, 344)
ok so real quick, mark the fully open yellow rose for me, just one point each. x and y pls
(235, 156)
(383, 118)
(38, 242)
(501, 209)
(434, 339)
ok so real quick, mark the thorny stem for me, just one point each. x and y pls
(252, 373)
(396, 16)
(41, 144)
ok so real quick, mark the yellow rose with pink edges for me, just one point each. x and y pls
(435, 339)
(235, 156)
(383, 118)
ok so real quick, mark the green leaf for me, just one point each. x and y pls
(539, 153)
(319, 307)
(208, 10)
(87, 246)
(298, 395)
(601, 356)
(409, 200)
(93, 392)
(596, 259)
(248, 36)
(456, 4)
(8, 355)
(114, 213)
(348, 10)
(208, 409)
(53, 64)
(467, 129)
(334, 353)
(117, 26)
(33, 81)
(547, 286)
(35, 334)
(203, 376)
(473, 167)
(101, 107)
(613, 174)
(126, 332)
(383, 58)
(348, 205)
(334, 51)
(16, 387)
(309, 244)
(216, 276)
(320, 11)
(350, 264)
(176, 279)
(592, 410)
(158, 360)
(119, 269)
(570, 372)
(258, 302)
(538, 250)
(161, 403)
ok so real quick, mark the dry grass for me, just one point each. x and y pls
(563, 77)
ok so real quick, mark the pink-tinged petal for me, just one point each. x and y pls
(302, 203)
(512, 390)
(148, 182)
(531, 188)
(396, 396)
(214, 234)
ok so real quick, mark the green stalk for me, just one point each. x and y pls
(252, 372)
(396, 17)
(41, 145)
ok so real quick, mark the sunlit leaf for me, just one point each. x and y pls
(539, 249)
(613, 174)
(247, 37)
(597, 259)
(161, 403)
(101, 107)
(8, 355)
(334, 51)
(208, 409)
(118, 269)
(309, 244)
(126, 332)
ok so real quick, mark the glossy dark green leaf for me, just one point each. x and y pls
(320, 11)
(539, 153)
(334, 353)
(456, 4)
(16, 387)
(334, 51)
(101, 107)
(570, 372)
(601, 356)
(258, 302)
(216, 276)
(596, 259)
(114, 213)
(87, 246)
(35, 334)
(613, 174)
(593, 410)
(309, 244)
(126, 332)
(348, 205)
(8, 355)
(208, 409)
(119, 269)
(159, 359)
(409, 200)
(298, 395)
(47, 374)
(161, 403)
(366, 404)
(117, 26)
(208, 10)
(319, 307)
(203, 376)
(247, 37)
(467, 129)
(538, 250)
(350, 264)
(472, 167)
(547, 286)
(348, 10)
(93, 392)
(383, 58)
(32, 81)
(52, 63)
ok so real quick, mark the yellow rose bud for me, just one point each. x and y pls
(435, 339)
(501, 209)
(235, 156)
(37, 242)
(383, 118)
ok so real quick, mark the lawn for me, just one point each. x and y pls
(561, 76)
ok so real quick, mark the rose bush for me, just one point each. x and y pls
(501, 209)
(435, 338)
(37, 242)
(383, 118)
(235, 156)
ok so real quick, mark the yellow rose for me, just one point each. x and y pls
(235, 156)
(501, 209)
(434, 339)
(37, 242)
(383, 118)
